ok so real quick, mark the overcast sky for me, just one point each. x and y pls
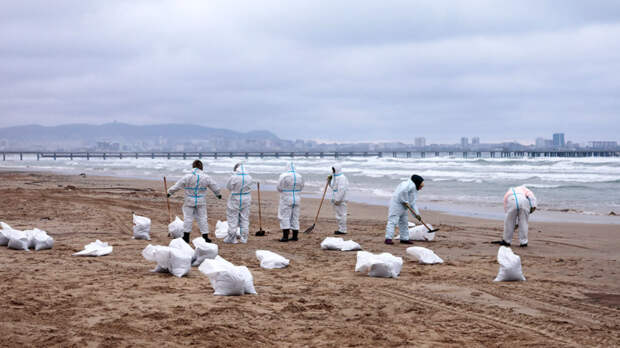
(330, 70)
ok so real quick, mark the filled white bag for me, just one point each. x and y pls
(378, 265)
(270, 260)
(336, 243)
(4, 233)
(142, 227)
(175, 228)
(159, 254)
(221, 229)
(18, 240)
(226, 278)
(423, 255)
(509, 266)
(421, 233)
(203, 251)
(40, 240)
(181, 256)
(96, 248)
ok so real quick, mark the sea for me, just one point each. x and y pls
(567, 189)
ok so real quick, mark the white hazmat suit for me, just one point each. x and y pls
(406, 192)
(339, 185)
(290, 185)
(195, 185)
(519, 203)
(238, 208)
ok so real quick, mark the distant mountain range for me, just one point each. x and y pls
(124, 132)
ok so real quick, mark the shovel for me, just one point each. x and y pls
(167, 200)
(428, 228)
(260, 232)
(311, 228)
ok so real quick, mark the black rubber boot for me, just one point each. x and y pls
(295, 232)
(284, 236)
(186, 237)
(206, 238)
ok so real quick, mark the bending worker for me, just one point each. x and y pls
(195, 185)
(339, 185)
(290, 185)
(519, 203)
(238, 208)
(403, 198)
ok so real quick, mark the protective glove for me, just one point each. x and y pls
(417, 216)
(168, 195)
(532, 209)
(329, 177)
(219, 196)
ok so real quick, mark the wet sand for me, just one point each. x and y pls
(49, 298)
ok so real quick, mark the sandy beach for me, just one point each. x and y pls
(49, 298)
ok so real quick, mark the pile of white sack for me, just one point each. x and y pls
(221, 230)
(96, 248)
(270, 260)
(142, 227)
(175, 228)
(423, 255)
(509, 266)
(335, 243)
(226, 278)
(179, 257)
(378, 265)
(23, 240)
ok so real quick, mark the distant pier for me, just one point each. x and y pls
(22, 155)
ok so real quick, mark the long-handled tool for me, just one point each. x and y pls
(311, 228)
(260, 231)
(420, 219)
(167, 200)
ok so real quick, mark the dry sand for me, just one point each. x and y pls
(49, 298)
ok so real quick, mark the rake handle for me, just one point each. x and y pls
(260, 218)
(320, 205)
(167, 200)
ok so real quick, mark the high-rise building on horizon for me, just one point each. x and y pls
(558, 140)
(420, 141)
(475, 141)
(464, 142)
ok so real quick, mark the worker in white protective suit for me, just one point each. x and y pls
(519, 203)
(339, 184)
(404, 196)
(238, 208)
(290, 185)
(195, 185)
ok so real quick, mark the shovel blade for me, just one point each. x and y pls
(260, 233)
(310, 229)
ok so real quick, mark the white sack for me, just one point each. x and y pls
(203, 251)
(96, 248)
(181, 256)
(40, 240)
(271, 260)
(4, 233)
(175, 228)
(381, 265)
(18, 240)
(509, 265)
(423, 255)
(221, 230)
(226, 278)
(159, 254)
(336, 243)
(421, 233)
(142, 227)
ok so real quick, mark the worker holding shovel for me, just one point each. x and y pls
(403, 199)
(339, 185)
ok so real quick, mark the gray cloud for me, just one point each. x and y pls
(314, 69)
